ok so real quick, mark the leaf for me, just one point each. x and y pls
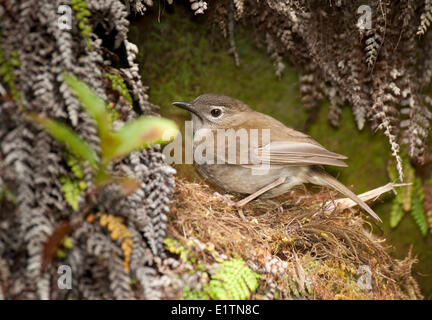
(70, 139)
(408, 190)
(75, 165)
(429, 220)
(92, 104)
(391, 171)
(118, 84)
(140, 133)
(233, 279)
(404, 195)
(71, 191)
(396, 214)
(417, 210)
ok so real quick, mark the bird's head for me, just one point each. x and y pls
(213, 110)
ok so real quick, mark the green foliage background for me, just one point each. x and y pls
(181, 59)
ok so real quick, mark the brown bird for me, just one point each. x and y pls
(292, 157)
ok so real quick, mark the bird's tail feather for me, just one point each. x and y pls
(321, 177)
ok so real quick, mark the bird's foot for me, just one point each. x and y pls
(226, 198)
(240, 212)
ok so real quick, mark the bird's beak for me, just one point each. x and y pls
(187, 106)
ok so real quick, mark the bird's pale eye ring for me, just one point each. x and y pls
(216, 112)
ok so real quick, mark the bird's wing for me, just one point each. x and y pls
(290, 147)
(295, 153)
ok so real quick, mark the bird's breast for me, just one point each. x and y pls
(247, 180)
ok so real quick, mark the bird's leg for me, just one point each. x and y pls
(256, 194)
(240, 212)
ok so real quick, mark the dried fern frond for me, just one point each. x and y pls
(425, 18)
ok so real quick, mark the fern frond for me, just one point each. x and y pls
(191, 294)
(233, 279)
(83, 13)
(120, 232)
(402, 201)
(396, 213)
(429, 220)
(71, 191)
(335, 109)
(76, 166)
(417, 210)
(293, 288)
(425, 18)
(407, 192)
(7, 67)
(175, 247)
(373, 45)
(119, 85)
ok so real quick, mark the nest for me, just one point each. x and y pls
(299, 249)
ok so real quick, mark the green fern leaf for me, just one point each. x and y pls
(404, 194)
(391, 171)
(71, 191)
(396, 214)
(82, 13)
(408, 190)
(429, 220)
(417, 210)
(233, 279)
(190, 294)
(118, 84)
(75, 165)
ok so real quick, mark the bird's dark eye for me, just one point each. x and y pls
(216, 112)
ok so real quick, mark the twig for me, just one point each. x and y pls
(373, 194)
(232, 49)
